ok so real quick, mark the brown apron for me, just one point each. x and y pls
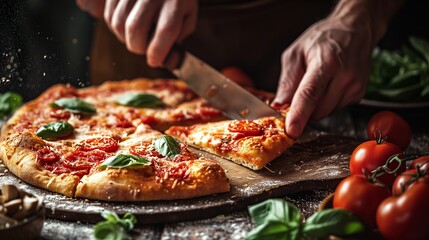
(248, 34)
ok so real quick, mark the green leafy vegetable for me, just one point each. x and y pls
(275, 219)
(278, 219)
(9, 102)
(74, 105)
(114, 227)
(123, 161)
(337, 222)
(140, 100)
(55, 130)
(400, 76)
(167, 146)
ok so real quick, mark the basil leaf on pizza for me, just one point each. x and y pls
(167, 146)
(55, 130)
(74, 105)
(123, 161)
(140, 100)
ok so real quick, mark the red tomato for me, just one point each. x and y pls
(422, 162)
(246, 127)
(402, 182)
(356, 194)
(237, 75)
(47, 155)
(392, 126)
(406, 216)
(370, 155)
(106, 144)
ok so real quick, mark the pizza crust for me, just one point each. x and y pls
(18, 152)
(140, 184)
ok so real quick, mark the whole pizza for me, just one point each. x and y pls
(128, 141)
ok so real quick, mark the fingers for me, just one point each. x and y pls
(313, 86)
(175, 22)
(292, 72)
(119, 18)
(167, 31)
(109, 9)
(139, 24)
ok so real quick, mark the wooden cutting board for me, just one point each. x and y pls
(318, 163)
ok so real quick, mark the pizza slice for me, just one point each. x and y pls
(152, 166)
(251, 143)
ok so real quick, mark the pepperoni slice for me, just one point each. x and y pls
(83, 160)
(106, 144)
(47, 155)
(246, 127)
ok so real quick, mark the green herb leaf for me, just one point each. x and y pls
(140, 100)
(420, 45)
(167, 146)
(114, 227)
(74, 105)
(9, 102)
(275, 218)
(123, 161)
(55, 130)
(338, 222)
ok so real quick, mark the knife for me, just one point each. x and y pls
(222, 93)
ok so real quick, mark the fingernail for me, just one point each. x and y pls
(294, 130)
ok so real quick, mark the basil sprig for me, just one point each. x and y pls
(114, 227)
(279, 219)
(167, 146)
(9, 102)
(140, 100)
(402, 75)
(74, 105)
(55, 130)
(123, 161)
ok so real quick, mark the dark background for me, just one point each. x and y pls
(43, 42)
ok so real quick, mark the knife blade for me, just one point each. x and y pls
(234, 101)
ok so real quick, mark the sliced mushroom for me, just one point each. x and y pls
(12, 207)
(9, 192)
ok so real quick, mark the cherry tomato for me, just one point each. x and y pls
(246, 127)
(406, 216)
(422, 162)
(392, 126)
(402, 182)
(237, 75)
(356, 194)
(370, 155)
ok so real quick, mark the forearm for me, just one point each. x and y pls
(373, 15)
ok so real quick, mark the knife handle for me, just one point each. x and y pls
(174, 58)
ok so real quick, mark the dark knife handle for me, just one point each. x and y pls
(174, 58)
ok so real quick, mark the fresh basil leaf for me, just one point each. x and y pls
(274, 230)
(114, 227)
(124, 161)
(55, 130)
(167, 146)
(140, 100)
(420, 45)
(425, 91)
(9, 102)
(74, 105)
(274, 218)
(337, 222)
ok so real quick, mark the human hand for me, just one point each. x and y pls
(133, 21)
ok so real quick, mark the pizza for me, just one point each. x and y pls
(110, 142)
(251, 143)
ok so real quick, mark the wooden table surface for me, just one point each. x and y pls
(235, 225)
